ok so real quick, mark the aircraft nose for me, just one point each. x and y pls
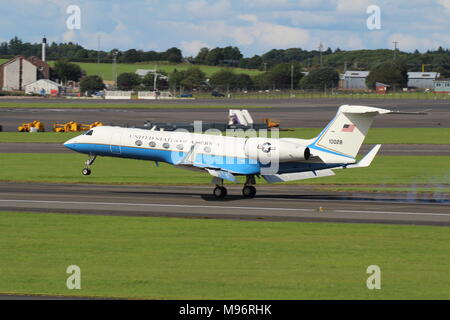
(70, 144)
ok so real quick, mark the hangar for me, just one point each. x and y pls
(42, 86)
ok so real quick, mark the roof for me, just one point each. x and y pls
(442, 80)
(144, 72)
(423, 75)
(45, 80)
(356, 74)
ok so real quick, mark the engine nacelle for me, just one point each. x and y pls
(268, 150)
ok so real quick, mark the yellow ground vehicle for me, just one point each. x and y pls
(73, 126)
(26, 127)
(271, 123)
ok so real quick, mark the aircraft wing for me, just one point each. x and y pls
(298, 176)
(221, 174)
(189, 161)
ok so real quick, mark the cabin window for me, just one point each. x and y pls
(138, 143)
(180, 147)
(89, 133)
(152, 144)
(166, 146)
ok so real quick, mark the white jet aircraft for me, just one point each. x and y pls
(276, 160)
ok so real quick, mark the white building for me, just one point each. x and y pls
(355, 79)
(422, 80)
(42, 86)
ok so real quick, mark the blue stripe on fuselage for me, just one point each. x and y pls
(232, 164)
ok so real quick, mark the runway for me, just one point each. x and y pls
(273, 203)
(312, 113)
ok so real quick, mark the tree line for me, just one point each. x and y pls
(433, 60)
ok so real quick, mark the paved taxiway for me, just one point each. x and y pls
(312, 113)
(273, 203)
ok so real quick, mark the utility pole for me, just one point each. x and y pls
(395, 48)
(98, 50)
(265, 66)
(292, 80)
(320, 50)
(115, 67)
(154, 80)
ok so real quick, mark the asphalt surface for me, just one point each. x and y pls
(387, 149)
(273, 203)
(312, 113)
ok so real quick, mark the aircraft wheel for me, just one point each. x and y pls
(86, 172)
(249, 192)
(220, 192)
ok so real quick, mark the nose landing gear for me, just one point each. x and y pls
(87, 171)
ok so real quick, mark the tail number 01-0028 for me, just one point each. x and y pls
(336, 141)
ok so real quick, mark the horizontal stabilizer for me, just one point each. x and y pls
(367, 160)
(298, 176)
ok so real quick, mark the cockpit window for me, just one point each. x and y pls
(89, 133)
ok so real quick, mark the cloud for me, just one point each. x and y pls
(445, 4)
(409, 42)
(191, 48)
(209, 10)
(353, 7)
(254, 25)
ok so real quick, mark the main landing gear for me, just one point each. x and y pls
(249, 191)
(87, 171)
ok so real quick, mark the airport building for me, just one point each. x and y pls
(355, 79)
(442, 86)
(43, 87)
(422, 80)
(19, 71)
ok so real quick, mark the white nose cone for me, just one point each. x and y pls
(71, 144)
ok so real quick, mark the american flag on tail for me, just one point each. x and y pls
(348, 128)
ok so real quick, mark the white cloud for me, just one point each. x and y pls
(351, 7)
(191, 48)
(205, 9)
(267, 34)
(407, 42)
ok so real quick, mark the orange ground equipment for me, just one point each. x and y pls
(73, 126)
(271, 123)
(27, 127)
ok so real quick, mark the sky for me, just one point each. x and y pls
(255, 26)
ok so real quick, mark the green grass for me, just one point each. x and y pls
(375, 136)
(105, 70)
(21, 104)
(164, 258)
(385, 170)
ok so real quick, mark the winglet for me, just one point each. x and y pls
(367, 160)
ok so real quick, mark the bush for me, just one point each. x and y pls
(91, 84)
(320, 79)
(128, 81)
(390, 73)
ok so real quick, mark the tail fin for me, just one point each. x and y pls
(345, 134)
